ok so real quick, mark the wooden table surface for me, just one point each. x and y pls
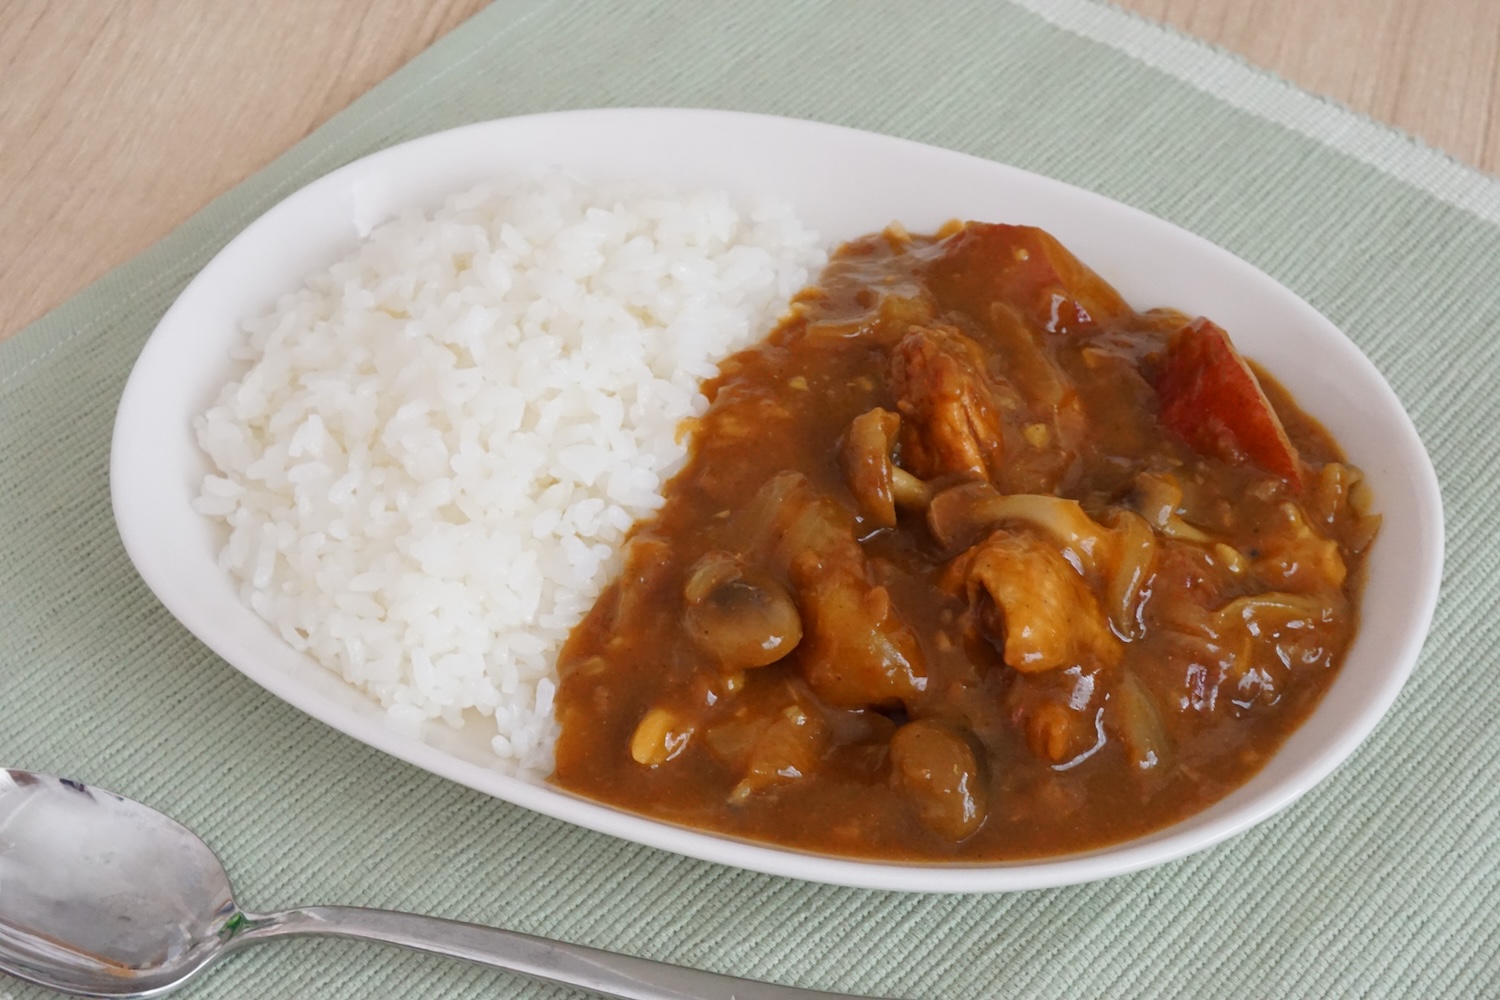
(153, 107)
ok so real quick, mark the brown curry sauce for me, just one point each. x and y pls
(969, 561)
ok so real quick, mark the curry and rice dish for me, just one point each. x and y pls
(969, 561)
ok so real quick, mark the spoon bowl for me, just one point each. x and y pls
(141, 905)
(101, 896)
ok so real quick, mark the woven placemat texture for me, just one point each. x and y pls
(1385, 881)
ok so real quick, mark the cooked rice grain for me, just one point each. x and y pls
(440, 442)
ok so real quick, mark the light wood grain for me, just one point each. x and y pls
(1431, 67)
(120, 118)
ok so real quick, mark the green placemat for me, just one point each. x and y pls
(1383, 882)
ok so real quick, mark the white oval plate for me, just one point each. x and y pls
(843, 183)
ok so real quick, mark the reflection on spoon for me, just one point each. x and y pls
(101, 896)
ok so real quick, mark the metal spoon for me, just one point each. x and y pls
(104, 897)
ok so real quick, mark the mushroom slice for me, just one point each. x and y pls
(879, 485)
(1158, 495)
(958, 514)
(739, 615)
(937, 770)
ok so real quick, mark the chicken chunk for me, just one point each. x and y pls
(1059, 712)
(950, 422)
(774, 736)
(856, 652)
(1294, 556)
(1030, 601)
(783, 751)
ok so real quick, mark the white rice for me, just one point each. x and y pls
(441, 441)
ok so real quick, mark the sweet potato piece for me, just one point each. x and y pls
(1212, 400)
(990, 263)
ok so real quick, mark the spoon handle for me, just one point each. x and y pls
(603, 972)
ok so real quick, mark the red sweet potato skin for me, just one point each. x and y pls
(1212, 400)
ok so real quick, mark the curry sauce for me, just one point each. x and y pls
(969, 561)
